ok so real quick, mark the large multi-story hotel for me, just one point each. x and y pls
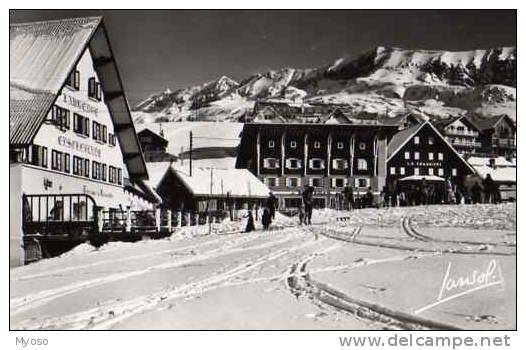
(326, 156)
(345, 152)
(73, 146)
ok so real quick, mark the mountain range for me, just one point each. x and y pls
(386, 80)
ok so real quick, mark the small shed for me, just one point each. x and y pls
(209, 189)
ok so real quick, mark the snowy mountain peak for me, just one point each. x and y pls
(434, 83)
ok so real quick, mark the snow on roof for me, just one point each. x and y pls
(500, 174)
(41, 55)
(400, 138)
(485, 161)
(239, 182)
(156, 171)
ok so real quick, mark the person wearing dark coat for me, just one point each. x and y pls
(476, 196)
(272, 204)
(250, 222)
(266, 218)
(308, 191)
(489, 189)
(369, 198)
(349, 196)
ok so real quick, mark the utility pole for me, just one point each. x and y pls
(190, 154)
(210, 200)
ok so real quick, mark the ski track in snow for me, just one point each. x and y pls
(112, 261)
(100, 318)
(31, 301)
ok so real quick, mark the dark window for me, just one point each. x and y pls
(103, 172)
(111, 175)
(38, 156)
(66, 162)
(86, 167)
(73, 80)
(57, 160)
(77, 165)
(119, 176)
(80, 124)
(94, 90)
(104, 134)
(112, 139)
(60, 117)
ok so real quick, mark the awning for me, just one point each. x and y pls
(422, 177)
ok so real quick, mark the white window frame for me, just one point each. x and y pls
(357, 182)
(311, 163)
(317, 144)
(430, 140)
(440, 171)
(407, 155)
(335, 162)
(440, 156)
(334, 179)
(266, 163)
(271, 144)
(293, 144)
(430, 156)
(431, 171)
(402, 170)
(417, 155)
(392, 170)
(454, 172)
(288, 164)
(416, 171)
(416, 140)
(289, 182)
(360, 162)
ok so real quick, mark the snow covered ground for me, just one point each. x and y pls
(365, 269)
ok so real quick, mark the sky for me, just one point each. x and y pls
(174, 49)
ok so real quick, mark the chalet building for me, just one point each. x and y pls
(329, 157)
(502, 171)
(420, 151)
(209, 189)
(461, 133)
(72, 142)
(498, 135)
(154, 146)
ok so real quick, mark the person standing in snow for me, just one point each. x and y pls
(475, 193)
(272, 204)
(489, 190)
(307, 202)
(266, 218)
(250, 222)
(301, 213)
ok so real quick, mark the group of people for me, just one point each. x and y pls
(269, 214)
(445, 192)
(421, 193)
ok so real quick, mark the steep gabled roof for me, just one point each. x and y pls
(147, 131)
(402, 137)
(42, 55)
(485, 123)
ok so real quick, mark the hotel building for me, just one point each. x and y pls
(73, 147)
